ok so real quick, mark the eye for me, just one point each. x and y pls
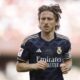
(50, 18)
(43, 18)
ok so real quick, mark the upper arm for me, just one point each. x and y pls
(67, 50)
(23, 54)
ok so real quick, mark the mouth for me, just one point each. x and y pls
(46, 26)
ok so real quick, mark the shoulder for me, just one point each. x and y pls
(63, 39)
(62, 36)
(30, 38)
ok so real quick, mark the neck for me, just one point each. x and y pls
(47, 36)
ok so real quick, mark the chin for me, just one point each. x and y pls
(47, 31)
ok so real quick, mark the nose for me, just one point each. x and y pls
(46, 21)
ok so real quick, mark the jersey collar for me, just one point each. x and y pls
(47, 41)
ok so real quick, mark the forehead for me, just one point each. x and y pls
(47, 14)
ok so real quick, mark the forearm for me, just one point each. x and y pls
(24, 67)
(68, 63)
(66, 66)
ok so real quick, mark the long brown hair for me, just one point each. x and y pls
(55, 9)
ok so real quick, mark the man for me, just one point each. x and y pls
(46, 54)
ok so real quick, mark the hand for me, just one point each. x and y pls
(40, 65)
(65, 68)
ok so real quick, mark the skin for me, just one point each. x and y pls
(47, 25)
(66, 66)
(47, 22)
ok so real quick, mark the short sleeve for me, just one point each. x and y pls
(67, 50)
(23, 54)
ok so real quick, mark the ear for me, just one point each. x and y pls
(39, 27)
(56, 23)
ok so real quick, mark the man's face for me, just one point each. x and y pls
(47, 21)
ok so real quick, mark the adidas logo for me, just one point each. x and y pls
(38, 50)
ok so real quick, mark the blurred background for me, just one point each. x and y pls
(18, 19)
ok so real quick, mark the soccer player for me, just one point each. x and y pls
(46, 55)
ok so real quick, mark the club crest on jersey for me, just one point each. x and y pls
(59, 50)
